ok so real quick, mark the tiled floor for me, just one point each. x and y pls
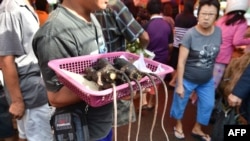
(158, 134)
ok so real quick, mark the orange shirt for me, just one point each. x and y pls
(43, 16)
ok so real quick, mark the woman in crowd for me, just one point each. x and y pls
(234, 26)
(183, 22)
(198, 50)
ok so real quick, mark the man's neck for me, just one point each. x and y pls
(77, 9)
(77, 15)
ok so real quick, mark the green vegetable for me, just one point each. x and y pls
(135, 47)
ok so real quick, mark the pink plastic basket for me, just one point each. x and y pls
(99, 98)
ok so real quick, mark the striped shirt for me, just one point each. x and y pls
(183, 22)
(118, 25)
(179, 33)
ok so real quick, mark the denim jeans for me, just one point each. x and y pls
(205, 102)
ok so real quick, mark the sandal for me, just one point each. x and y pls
(144, 107)
(204, 137)
(179, 135)
(151, 108)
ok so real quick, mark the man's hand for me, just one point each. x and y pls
(17, 109)
(234, 100)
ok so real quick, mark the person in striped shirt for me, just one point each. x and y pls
(183, 22)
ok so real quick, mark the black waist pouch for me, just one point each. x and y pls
(69, 124)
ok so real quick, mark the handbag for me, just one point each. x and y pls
(225, 115)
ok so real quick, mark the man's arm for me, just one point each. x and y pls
(63, 97)
(241, 89)
(134, 30)
(9, 70)
(144, 39)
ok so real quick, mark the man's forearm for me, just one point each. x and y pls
(11, 78)
(144, 39)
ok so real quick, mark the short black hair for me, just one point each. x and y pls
(41, 5)
(154, 7)
(189, 6)
(215, 3)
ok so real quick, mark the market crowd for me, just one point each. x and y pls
(205, 43)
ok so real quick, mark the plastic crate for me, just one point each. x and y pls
(98, 98)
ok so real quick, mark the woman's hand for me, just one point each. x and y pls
(180, 91)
